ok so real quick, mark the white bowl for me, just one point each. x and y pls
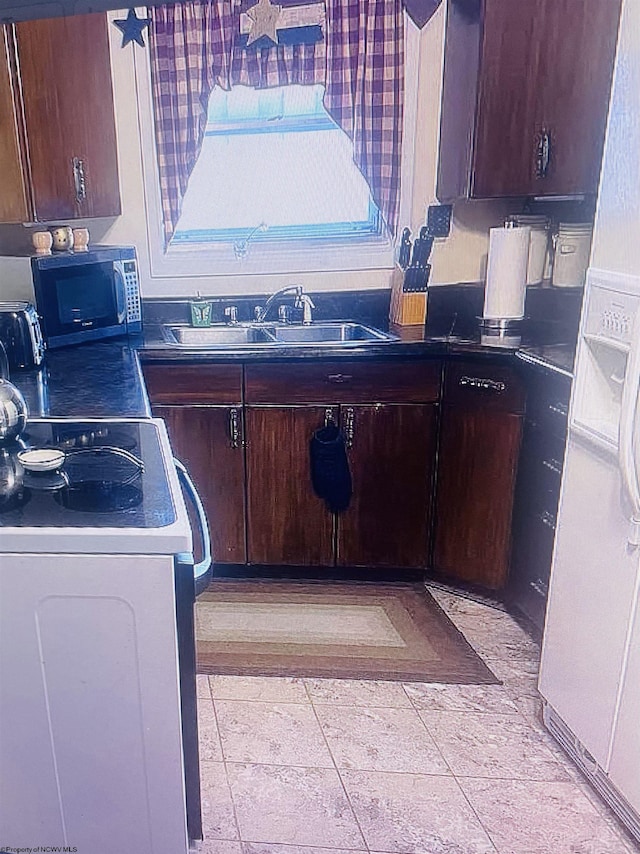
(41, 459)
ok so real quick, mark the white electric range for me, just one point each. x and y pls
(98, 728)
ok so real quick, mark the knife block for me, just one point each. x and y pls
(407, 308)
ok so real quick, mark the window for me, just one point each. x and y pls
(274, 166)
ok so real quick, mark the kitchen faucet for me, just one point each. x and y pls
(302, 301)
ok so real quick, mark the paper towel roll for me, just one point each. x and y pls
(506, 273)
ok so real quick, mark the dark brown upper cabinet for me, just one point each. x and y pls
(61, 137)
(14, 200)
(525, 96)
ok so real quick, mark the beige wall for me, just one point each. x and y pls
(616, 243)
(462, 257)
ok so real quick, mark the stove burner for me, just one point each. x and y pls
(99, 496)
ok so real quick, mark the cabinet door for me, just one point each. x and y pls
(509, 91)
(287, 522)
(13, 193)
(68, 105)
(576, 75)
(545, 66)
(204, 439)
(474, 497)
(391, 457)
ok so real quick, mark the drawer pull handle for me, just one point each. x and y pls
(540, 587)
(339, 378)
(548, 519)
(483, 383)
(559, 409)
(553, 465)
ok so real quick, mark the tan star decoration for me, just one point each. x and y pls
(264, 21)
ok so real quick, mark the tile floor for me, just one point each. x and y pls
(314, 766)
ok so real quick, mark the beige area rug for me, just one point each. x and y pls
(331, 629)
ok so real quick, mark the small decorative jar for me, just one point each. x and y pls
(80, 239)
(62, 238)
(42, 242)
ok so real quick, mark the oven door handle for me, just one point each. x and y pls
(121, 296)
(199, 569)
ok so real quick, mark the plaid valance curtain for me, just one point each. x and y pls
(194, 47)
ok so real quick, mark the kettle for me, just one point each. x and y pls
(13, 412)
(12, 492)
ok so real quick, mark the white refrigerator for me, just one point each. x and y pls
(590, 668)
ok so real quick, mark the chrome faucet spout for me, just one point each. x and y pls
(305, 302)
(261, 313)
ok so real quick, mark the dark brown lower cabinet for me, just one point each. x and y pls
(392, 457)
(476, 477)
(287, 523)
(208, 440)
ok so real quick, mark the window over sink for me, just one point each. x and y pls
(274, 167)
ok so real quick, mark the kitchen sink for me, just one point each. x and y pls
(251, 335)
(218, 336)
(329, 333)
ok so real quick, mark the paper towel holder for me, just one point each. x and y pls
(501, 331)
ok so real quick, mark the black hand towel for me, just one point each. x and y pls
(330, 474)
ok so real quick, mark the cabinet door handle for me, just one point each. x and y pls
(483, 383)
(329, 417)
(339, 378)
(235, 436)
(543, 154)
(349, 426)
(79, 180)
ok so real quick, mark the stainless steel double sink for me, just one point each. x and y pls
(250, 335)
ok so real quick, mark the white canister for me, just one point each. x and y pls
(571, 248)
(538, 244)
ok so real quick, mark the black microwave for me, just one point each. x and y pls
(87, 296)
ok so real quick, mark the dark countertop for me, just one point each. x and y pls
(410, 343)
(102, 380)
(99, 380)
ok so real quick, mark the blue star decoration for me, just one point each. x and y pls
(132, 27)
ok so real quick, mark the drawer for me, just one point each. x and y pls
(199, 384)
(532, 552)
(539, 471)
(548, 403)
(486, 386)
(403, 381)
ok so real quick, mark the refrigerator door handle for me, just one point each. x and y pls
(626, 455)
(199, 569)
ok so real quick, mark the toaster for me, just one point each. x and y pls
(21, 335)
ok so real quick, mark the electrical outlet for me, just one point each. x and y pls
(439, 220)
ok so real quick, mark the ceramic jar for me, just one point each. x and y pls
(42, 242)
(62, 238)
(80, 239)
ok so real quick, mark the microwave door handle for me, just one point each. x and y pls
(200, 568)
(626, 451)
(121, 296)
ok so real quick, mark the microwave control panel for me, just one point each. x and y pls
(132, 291)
